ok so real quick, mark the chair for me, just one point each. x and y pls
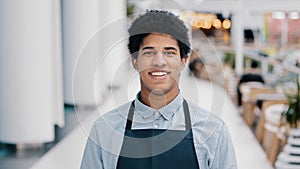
(251, 104)
(289, 158)
(273, 130)
(259, 131)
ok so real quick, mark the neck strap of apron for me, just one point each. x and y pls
(186, 110)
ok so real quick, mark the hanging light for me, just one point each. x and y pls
(278, 15)
(217, 23)
(206, 24)
(294, 15)
(197, 24)
(226, 24)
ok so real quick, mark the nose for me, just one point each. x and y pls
(159, 60)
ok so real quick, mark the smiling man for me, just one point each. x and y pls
(159, 129)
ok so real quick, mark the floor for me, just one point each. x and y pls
(66, 152)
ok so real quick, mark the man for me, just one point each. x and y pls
(196, 65)
(159, 129)
(252, 76)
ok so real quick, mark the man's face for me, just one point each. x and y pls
(159, 64)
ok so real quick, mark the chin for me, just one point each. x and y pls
(159, 91)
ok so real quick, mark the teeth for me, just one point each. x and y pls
(158, 73)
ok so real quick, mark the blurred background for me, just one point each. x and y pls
(63, 63)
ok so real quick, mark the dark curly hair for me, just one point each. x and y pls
(162, 22)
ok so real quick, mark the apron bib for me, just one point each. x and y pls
(158, 148)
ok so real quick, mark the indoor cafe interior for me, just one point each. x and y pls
(63, 64)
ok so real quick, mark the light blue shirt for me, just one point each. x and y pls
(212, 140)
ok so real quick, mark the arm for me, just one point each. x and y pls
(92, 157)
(225, 154)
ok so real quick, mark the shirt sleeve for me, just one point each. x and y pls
(225, 155)
(92, 157)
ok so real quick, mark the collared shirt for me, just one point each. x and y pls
(212, 140)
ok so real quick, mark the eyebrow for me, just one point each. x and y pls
(166, 48)
(148, 47)
(170, 48)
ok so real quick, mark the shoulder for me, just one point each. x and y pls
(114, 119)
(207, 125)
(110, 126)
(199, 113)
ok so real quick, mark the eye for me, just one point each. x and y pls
(148, 53)
(170, 53)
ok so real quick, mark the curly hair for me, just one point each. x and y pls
(163, 22)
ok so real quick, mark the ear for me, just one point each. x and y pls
(134, 63)
(183, 62)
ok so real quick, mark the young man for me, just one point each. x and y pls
(252, 76)
(159, 129)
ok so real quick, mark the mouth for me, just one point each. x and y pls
(159, 74)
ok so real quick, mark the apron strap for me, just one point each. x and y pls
(130, 116)
(188, 124)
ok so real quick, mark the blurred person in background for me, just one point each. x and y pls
(252, 76)
(196, 65)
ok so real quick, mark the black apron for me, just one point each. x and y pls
(158, 148)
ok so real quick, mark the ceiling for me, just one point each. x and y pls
(221, 5)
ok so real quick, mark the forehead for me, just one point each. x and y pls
(159, 40)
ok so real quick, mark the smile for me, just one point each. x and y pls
(158, 73)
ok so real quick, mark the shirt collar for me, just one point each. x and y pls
(167, 111)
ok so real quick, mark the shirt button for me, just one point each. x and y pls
(156, 126)
(157, 115)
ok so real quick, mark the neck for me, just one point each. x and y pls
(156, 99)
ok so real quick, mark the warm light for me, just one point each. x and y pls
(202, 20)
(294, 15)
(278, 15)
(206, 25)
(198, 24)
(226, 24)
(217, 23)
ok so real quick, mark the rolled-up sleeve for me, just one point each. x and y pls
(225, 155)
(92, 157)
